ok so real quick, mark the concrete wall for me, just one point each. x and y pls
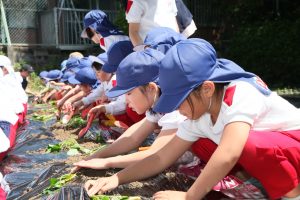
(41, 57)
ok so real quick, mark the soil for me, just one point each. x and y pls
(168, 180)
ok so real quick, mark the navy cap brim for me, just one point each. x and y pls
(109, 68)
(118, 91)
(51, 79)
(103, 57)
(73, 80)
(83, 33)
(169, 103)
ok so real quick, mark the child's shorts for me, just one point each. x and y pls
(271, 157)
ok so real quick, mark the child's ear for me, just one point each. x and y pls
(152, 86)
(208, 88)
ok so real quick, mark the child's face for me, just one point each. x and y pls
(102, 76)
(85, 88)
(138, 101)
(192, 109)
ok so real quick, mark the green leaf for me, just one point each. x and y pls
(53, 148)
(53, 181)
(73, 152)
(57, 183)
(114, 197)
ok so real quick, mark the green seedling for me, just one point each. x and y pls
(113, 197)
(76, 122)
(71, 145)
(57, 183)
(43, 118)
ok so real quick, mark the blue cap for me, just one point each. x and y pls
(85, 62)
(98, 20)
(43, 74)
(66, 76)
(103, 57)
(63, 64)
(85, 75)
(115, 54)
(137, 69)
(187, 65)
(72, 64)
(163, 38)
(95, 59)
(53, 75)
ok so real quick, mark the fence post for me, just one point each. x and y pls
(4, 21)
(55, 26)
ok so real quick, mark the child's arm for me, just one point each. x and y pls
(123, 161)
(76, 97)
(71, 93)
(48, 96)
(143, 169)
(116, 107)
(223, 159)
(57, 83)
(134, 34)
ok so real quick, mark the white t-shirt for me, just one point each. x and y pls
(13, 81)
(166, 121)
(116, 106)
(243, 102)
(190, 29)
(106, 42)
(10, 103)
(4, 143)
(8, 106)
(152, 14)
(98, 92)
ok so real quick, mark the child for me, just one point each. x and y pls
(24, 73)
(185, 20)
(100, 30)
(105, 73)
(251, 125)
(13, 82)
(162, 39)
(135, 78)
(87, 80)
(144, 15)
(51, 77)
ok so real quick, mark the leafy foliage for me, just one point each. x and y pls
(109, 197)
(71, 145)
(76, 122)
(35, 83)
(121, 21)
(57, 183)
(263, 37)
(41, 117)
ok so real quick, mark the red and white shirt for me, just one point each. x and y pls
(243, 102)
(106, 42)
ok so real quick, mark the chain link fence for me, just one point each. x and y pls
(31, 22)
(22, 20)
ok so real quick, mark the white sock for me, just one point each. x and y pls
(294, 198)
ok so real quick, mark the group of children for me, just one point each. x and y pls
(13, 108)
(159, 81)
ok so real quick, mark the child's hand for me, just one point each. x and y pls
(67, 87)
(59, 104)
(96, 111)
(101, 185)
(169, 194)
(96, 163)
(67, 107)
(76, 105)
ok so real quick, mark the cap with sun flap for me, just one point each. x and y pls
(137, 69)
